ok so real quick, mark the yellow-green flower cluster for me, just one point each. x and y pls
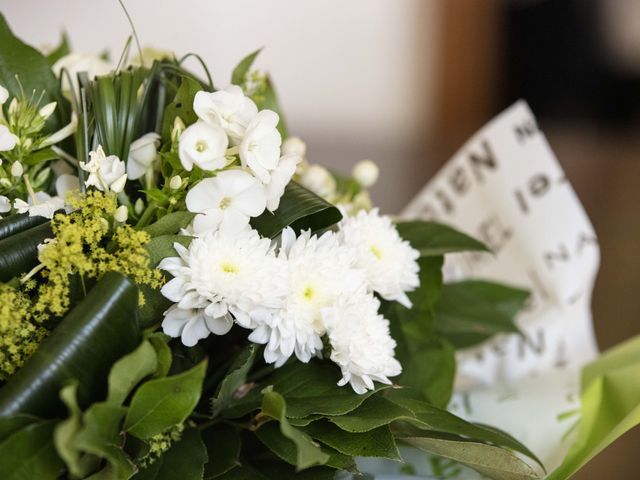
(160, 443)
(255, 86)
(19, 333)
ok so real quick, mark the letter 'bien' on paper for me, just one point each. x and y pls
(506, 188)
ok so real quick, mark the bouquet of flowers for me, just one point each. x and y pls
(183, 293)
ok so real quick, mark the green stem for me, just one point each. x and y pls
(146, 215)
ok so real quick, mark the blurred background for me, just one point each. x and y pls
(406, 82)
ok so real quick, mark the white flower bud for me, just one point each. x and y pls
(121, 214)
(319, 180)
(13, 106)
(4, 95)
(295, 146)
(17, 169)
(46, 111)
(175, 183)
(178, 128)
(366, 173)
(118, 185)
(138, 207)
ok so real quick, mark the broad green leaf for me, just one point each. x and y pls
(29, 453)
(375, 412)
(184, 460)
(308, 388)
(10, 425)
(235, 378)
(432, 238)
(181, 106)
(162, 247)
(100, 436)
(155, 304)
(170, 224)
(17, 223)
(223, 447)
(159, 341)
(98, 331)
(240, 71)
(471, 311)
(19, 252)
(242, 472)
(78, 464)
(377, 442)
(161, 403)
(23, 68)
(307, 452)
(494, 462)
(299, 208)
(127, 372)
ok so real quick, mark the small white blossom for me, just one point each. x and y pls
(5, 203)
(280, 178)
(46, 111)
(7, 139)
(319, 180)
(66, 183)
(17, 169)
(44, 206)
(4, 95)
(360, 342)
(226, 201)
(260, 147)
(121, 214)
(105, 172)
(294, 146)
(175, 182)
(204, 146)
(142, 154)
(366, 173)
(221, 274)
(320, 271)
(230, 109)
(390, 263)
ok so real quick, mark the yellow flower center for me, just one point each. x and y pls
(377, 252)
(201, 146)
(308, 293)
(228, 267)
(224, 203)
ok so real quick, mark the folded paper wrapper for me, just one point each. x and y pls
(506, 188)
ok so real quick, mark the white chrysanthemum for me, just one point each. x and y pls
(320, 270)
(221, 274)
(360, 341)
(389, 262)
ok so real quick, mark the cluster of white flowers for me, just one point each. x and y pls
(229, 125)
(106, 173)
(295, 292)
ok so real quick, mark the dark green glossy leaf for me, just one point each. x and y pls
(184, 460)
(29, 453)
(243, 472)
(10, 425)
(223, 447)
(101, 329)
(161, 403)
(162, 247)
(240, 72)
(19, 252)
(127, 372)
(170, 224)
(181, 106)
(299, 208)
(163, 353)
(432, 238)
(472, 311)
(17, 223)
(235, 378)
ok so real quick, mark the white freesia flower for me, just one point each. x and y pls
(142, 154)
(319, 180)
(7, 139)
(44, 205)
(75, 63)
(230, 109)
(221, 274)
(366, 172)
(204, 146)
(226, 201)
(390, 263)
(280, 178)
(5, 203)
(105, 172)
(4, 95)
(320, 271)
(360, 341)
(260, 147)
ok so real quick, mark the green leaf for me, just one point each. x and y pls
(377, 442)
(101, 329)
(39, 156)
(170, 224)
(164, 402)
(10, 425)
(309, 388)
(242, 472)
(155, 304)
(29, 453)
(471, 311)
(235, 378)
(162, 247)
(307, 452)
(432, 238)
(181, 106)
(23, 68)
(19, 252)
(494, 462)
(269, 100)
(299, 208)
(100, 436)
(18, 223)
(279, 470)
(375, 412)
(184, 460)
(127, 372)
(240, 72)
(223, 447)
(163, 353)
(60, 51)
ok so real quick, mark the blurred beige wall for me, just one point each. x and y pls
(356, 77)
